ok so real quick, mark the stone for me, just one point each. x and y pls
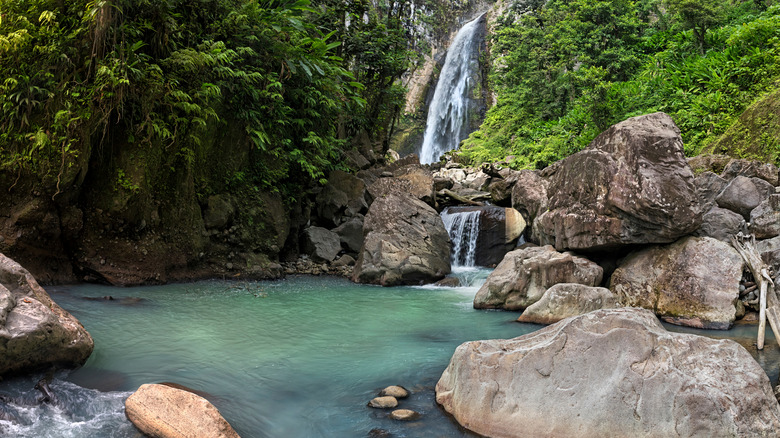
(166, 412)
(721, 224)
(770, 254)
(220, 212)
(404, 415)
(321, 244)
(385, 402)
(478, 180)
(344, 195)
(345, 260)
(448, 282)
(35, 332)
(614, 372)
(529, 194)
(524, 275)
(752, 169)
(765, 218)
(351, 234)
(740, 196)
(395, 391)
(499, 229)
(405, 243)
(410, 180)
(692, 282)
(708, 187)
(631, 185)
(568, 299)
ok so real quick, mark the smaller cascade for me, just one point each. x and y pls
(463, 228)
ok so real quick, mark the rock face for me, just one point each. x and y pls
(765, 218)
(405, 243)
(165, 412)
(34, 331)
(614, 372)
(321, 244)
(525, 274)
(631, 185)
(568, 299)
(693, 282)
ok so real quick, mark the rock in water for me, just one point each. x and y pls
(568, 299)
(406, 243)
(166, 412)
(404, 415)
(692, 282)
(34, 331)
(631, 185)
(384, 402)
(607, 373)
(395, 391)
(525, 274)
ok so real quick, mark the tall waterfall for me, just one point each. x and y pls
(448, 112)
(463, 228)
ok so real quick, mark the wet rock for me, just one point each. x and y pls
(765, 218)
(499, 229)
(614, 372)
(721, 224)
(404, 415)
(632, 185)
(568, 299)
(164, 411)
(448, 282)
(351, 234)
(379, 433)
(692, 282)
(34, 331)
(405, 243)
(395, 391)
(525, 274)
(385, 402)
(321, 244)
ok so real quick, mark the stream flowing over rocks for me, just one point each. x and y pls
(613, 372)
(35, 332)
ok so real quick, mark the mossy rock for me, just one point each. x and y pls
(755, 134)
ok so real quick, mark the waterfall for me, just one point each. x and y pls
(448, 113)
(463, 228)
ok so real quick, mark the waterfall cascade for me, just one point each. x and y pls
(463, 228)
(448, 113)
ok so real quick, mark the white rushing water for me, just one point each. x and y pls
(463, 228)
(449, 110)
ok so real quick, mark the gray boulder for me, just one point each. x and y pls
(220, 211)
(708, 187)
(721, 224)
(568, 299)
(321, 244)
(34, 331)
(692, 282)
(343, 196)
(525, 274)
(770, 253)
(351, 234)
(632, 185)
(752, 169)
(742, 195)
(765, 218)
(405, 243)
(529, 194)
(608, 373)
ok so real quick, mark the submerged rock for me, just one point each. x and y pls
(525, 274)
(631, 185)
(568, 299)
(692, 282)
(34, 331)
(166, 412)
(405, 243)
(404, 415)
(614, 372)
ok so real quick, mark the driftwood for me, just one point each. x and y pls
(768, 300)
(459, 198)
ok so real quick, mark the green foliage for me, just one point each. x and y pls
(565, 80)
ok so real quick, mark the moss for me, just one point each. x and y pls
(755, 134)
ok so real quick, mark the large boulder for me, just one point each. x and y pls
(162, 411)
(529, 194)
(351, 234)
(721, 224)
(614, 372)
(405, 243)
(34, 331)
(525, 274)
(765, 218)
(568, 299)
(632, 185)
(752, 169)
(741, 196)
(692, 282)
(219, 212)
(490, 231)
(708, 187)
(414, 181)
(770, 253)
(321, 244)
